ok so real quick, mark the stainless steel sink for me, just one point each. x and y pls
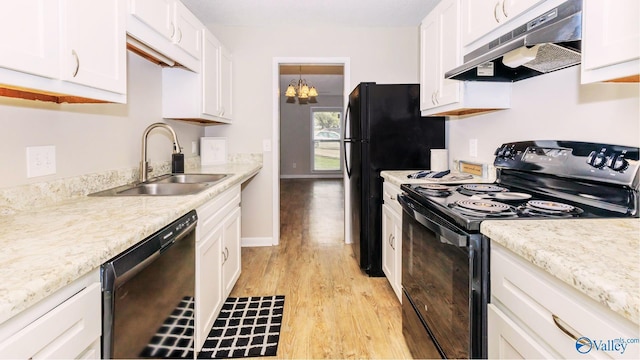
(166, 185)
(166, 189)
(188, 178)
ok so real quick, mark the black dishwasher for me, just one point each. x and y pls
(148, 296)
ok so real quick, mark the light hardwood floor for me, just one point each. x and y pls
(332, 309)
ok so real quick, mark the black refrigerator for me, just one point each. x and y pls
(386, 132)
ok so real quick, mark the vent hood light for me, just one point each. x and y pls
(520, 56)
(549, 42)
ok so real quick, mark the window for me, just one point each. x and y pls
(326, 124)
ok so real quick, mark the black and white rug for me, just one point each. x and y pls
(245, 327)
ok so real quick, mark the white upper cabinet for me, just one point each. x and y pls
(482, 16)
(33, 45)
(203, 97)
(226, 83)
(611, 41)
(156, 14)
(94, 44)
(211, 75)
(188, 31)
(441, 51)
(81, 43)
(166, 31)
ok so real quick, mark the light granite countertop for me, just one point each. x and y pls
(399, 177)
(598, 257)
(47, 248)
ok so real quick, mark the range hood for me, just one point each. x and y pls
(548, 42)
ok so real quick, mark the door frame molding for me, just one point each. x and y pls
(275, 135)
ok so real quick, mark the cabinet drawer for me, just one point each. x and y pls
(67, 331)
(543, 304)
(213, 212)
(507, 340)
(390, 194)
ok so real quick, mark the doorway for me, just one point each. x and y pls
(325, 159)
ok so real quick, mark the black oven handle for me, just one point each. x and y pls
(434, 222)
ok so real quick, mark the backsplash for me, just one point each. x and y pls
(25, 197)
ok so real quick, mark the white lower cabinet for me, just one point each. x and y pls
(217, 258)
(209, 297)
(392, 238)
(67, 325)
(534, 315)
(231, 251)
(507, 340)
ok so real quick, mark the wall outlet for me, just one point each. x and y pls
(194, 147)
(266, 145)
(41, 161)
(473, 148)
(294, 165)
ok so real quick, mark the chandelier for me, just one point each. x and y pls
(301, 89)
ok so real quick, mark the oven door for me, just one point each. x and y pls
(442, 277)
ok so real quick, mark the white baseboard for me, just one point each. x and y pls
(256, 241)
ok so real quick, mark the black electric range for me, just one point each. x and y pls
(542, 180)
(445, 258)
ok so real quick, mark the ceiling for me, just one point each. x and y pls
(359, 13)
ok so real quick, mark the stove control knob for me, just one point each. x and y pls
(590, 158)
(599, 160)
(619, 163)
(508, 153)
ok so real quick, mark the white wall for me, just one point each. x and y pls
(553, 107)
(90, 138)
(384, 55)
(295, 135)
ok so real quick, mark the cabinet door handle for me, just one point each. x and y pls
(567, 329)
(173, 30)
(393, 242)
(433, 98)
(75, 55)
(179, 35)
(495, 12)
(225, 255)
(504, 8)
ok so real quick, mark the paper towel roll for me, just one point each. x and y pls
(439, 159)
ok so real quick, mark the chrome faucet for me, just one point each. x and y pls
(144, 165)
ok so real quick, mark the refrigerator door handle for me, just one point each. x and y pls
(346, 159)
(346, 122)
(346, 141)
